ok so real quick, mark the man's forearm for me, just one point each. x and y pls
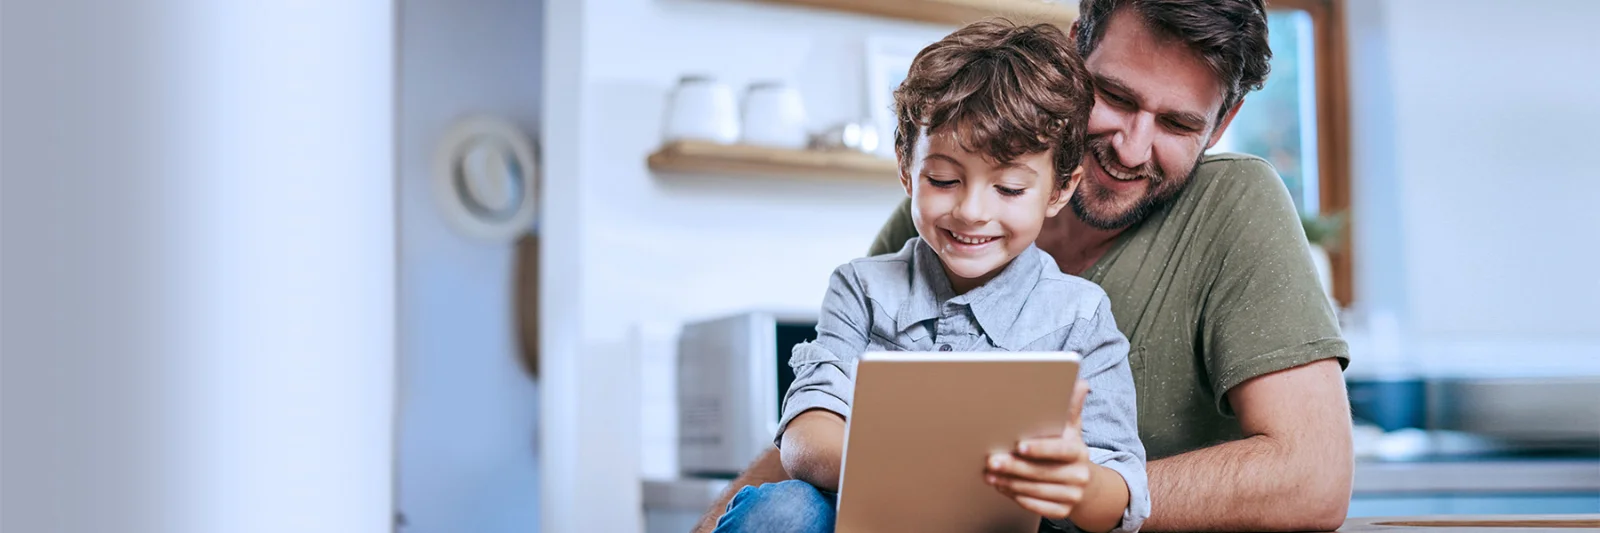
(767, 468)
(1254, 484)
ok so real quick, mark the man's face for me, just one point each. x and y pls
(1154, 116)
(976, 213)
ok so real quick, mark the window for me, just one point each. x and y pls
(1280, 122)
(1297, 121)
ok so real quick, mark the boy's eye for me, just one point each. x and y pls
(1009, 191)
(942, 184)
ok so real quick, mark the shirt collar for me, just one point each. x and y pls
(930, 288)
(995, 304)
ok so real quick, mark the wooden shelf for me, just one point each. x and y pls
(954, 12)
(700, 157)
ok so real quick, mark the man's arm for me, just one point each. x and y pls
(767, 468)
(1291, 473)
(1272, 352)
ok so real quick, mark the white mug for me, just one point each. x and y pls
(702, 108)
(775, 116)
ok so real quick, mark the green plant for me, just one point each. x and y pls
(1325, 231)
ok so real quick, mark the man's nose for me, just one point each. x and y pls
(1134, 143)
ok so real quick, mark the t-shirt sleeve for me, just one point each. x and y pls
(825, 369)
(895, 232)
(1266, 310)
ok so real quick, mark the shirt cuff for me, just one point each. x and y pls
(1133, 474)
(807, 400)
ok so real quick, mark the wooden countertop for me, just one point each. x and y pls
(1474, 524)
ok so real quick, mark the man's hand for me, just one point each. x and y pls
(1048, 476)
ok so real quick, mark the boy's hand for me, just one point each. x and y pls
(1047, 475)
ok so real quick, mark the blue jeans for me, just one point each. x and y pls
(784, 507)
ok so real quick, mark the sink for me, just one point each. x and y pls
(1476, 524)
(1550, 413)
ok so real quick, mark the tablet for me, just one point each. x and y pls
(923, 424)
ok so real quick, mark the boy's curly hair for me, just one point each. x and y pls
(1004, 90)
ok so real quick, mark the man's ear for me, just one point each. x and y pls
(1072, 31)
(1062, 196)
(1222, 125)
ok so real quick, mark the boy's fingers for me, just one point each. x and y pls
(1053, 511)
(1052, 449)
(1048, 471)
(1050, 492)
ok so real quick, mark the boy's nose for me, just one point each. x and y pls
(973, 208)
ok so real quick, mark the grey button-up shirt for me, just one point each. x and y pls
(903, 302)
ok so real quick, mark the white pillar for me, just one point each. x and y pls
(198, 266)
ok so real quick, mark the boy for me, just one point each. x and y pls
(991, 129)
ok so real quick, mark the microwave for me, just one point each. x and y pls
(733, 372)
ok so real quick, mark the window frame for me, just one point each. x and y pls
(1333, 128)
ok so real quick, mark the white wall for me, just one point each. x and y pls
(1474, 193)
(467, 441)
(654, 248)
(198, 267)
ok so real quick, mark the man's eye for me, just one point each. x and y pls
(1180, 127)
(942, 184)
(1116, 100)
(1009, 191)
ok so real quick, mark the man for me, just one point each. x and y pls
(1235, 353)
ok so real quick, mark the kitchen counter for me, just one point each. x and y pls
(1475, 524)
(1374, 479)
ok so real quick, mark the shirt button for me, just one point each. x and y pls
(944, 347)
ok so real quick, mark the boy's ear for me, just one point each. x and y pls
(1063, 195)
(905, 179)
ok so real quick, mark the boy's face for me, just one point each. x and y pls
(976, 213)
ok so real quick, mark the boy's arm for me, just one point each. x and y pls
(813, 448)
(811, 431)
(1118, 494)
(1094, 474)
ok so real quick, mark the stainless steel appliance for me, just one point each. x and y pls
(732, 374)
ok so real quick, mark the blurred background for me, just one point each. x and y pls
(534, 265)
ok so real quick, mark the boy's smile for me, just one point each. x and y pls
(977, 213)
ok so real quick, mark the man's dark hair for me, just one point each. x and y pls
(1229, 35)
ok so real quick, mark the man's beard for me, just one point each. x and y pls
(1161, 190)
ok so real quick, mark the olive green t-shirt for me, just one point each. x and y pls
(1212, 290)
